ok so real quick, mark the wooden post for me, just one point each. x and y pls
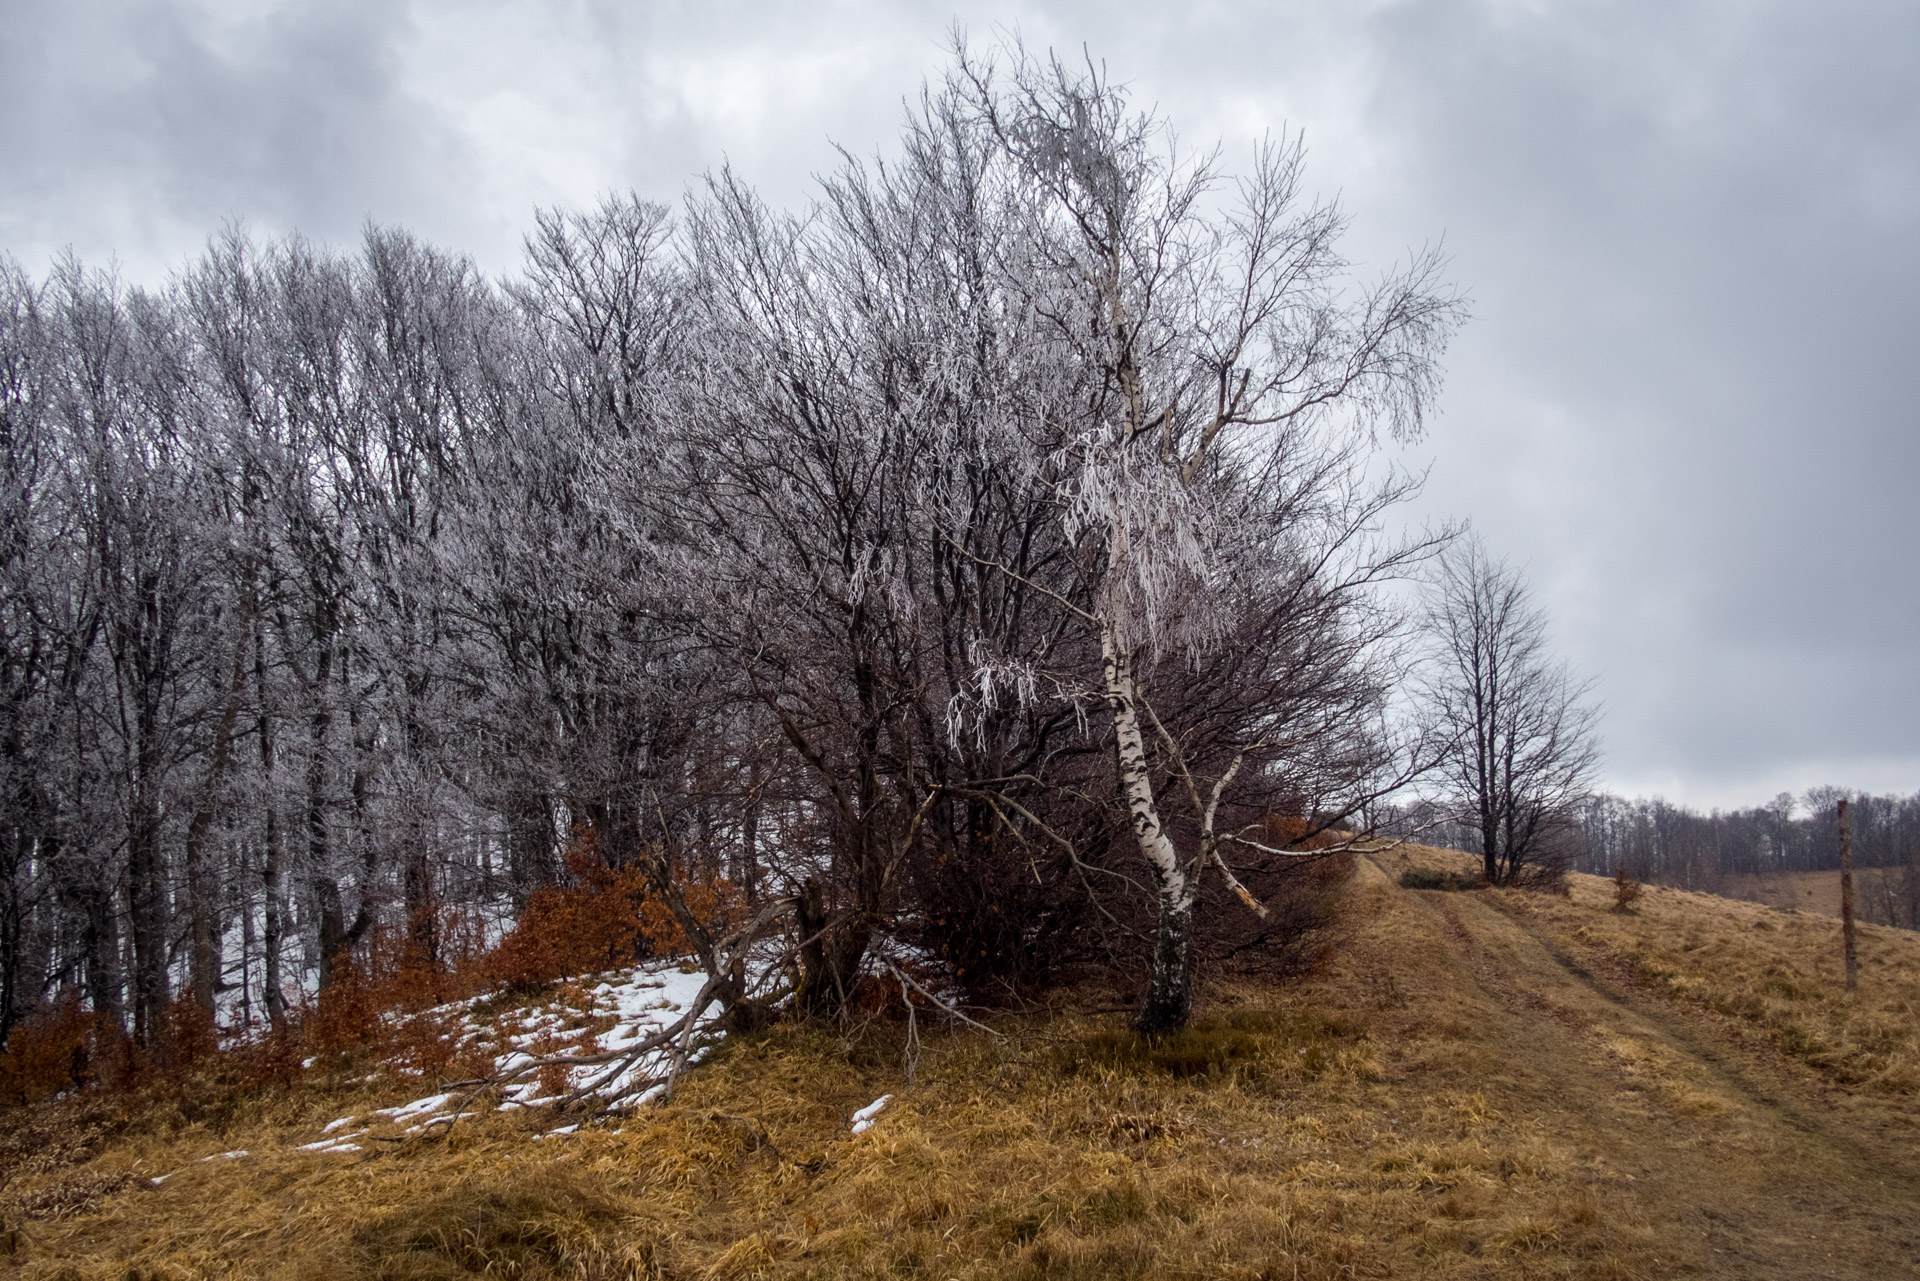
(1846, 895)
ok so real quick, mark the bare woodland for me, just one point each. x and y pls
(985, 558)
(1743, 850)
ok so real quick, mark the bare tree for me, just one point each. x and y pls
(1217, 388)
(1523, 750)
(33, 533)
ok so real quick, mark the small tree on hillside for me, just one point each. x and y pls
(1523, 751)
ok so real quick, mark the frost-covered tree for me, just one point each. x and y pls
(1217, 383)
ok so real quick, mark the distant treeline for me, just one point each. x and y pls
(1659, 841)
(1667, 844)
(1656, 840)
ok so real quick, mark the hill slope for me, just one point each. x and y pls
(1479, 1084)
(1879, 893)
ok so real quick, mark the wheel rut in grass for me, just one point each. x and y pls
(1737, 1156)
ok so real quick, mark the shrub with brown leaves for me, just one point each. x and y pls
(47, 1053)
(1626, 891)
(607, 917)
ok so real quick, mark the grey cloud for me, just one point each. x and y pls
(1693, 235)
(1688, 403)
(130, 128)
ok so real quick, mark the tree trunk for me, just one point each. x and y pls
(325, 889)
(203, 951)
(332, 924)
(13, 923)
(423, 925)
(829, 957)
(1846, 897)
(272, 925)
(273, 869)
(146, 866)
(246, 963)
(1169, 1000)
(100, 946)
(531, 861)
(203, 955)
(23, 841)
(810, 919)
(744, 876)
(147, 899)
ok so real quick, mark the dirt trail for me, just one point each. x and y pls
(1727, 1150)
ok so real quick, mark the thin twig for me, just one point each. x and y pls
(948, 1006)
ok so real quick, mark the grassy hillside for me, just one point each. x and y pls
(1878, 892)
(1480, 1084)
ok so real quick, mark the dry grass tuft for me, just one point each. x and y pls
(70, 1194)
(51, 1137)
(1439, 878)
(537, 1224)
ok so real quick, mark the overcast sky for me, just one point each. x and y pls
(1689, 402)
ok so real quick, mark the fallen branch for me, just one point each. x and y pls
(907, 980)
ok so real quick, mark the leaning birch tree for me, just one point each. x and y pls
(1220, 383)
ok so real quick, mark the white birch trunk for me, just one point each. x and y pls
(1169, 1000)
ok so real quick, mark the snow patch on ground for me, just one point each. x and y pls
(599, 1014)
(863, 1119)
(328, 1145)
(432, 1103)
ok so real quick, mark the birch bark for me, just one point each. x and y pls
(1169, 999)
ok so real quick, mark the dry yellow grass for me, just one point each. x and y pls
(1876, 891)
(1441, 1102)
(1777, 973)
